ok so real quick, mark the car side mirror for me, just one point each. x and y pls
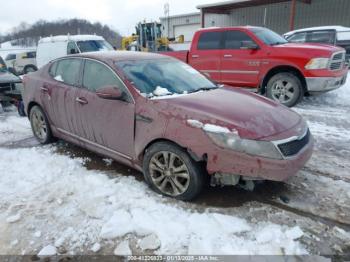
(110, 92)
(72, 51)
(249, 45)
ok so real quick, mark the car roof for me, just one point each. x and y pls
(121, 55)
(65, 38)
(335, 27)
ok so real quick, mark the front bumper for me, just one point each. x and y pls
(230, 162)
(324, 84)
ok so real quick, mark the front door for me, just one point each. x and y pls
(107, 123)
(239, 67)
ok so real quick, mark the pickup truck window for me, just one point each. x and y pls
(268, 37)
(297, 38)
(209, 41)
(166, 74)
(326, 37)
(234, 39)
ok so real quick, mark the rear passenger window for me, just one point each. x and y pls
(234, 39)
(97, 75)
(209, 41)
(67, 71)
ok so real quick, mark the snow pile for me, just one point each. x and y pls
(216, 129)
(14, 128)
(95, 208)
(160, 91)
(195, 123)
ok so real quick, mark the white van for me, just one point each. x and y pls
(50, 48)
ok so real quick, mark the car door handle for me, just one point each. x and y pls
(44, 89)
(195, 56)
(81, 100)
(227, 56)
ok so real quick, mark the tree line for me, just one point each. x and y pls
(29, 35)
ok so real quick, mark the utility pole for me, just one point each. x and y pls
(166, 14)
(292, 15)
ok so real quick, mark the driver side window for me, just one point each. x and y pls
(97, 75)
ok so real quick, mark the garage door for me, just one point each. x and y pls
(186, 30)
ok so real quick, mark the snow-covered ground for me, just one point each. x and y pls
(62, 199)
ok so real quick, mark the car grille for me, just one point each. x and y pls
(337, 61)
(293, 147)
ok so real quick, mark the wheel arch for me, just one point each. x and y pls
(30, 106)
(158, 140)
(282, 69)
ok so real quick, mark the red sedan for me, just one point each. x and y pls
(164, 118)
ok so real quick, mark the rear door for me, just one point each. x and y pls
(58, 93)
(108, 124)
(205, 57)
(239, 67)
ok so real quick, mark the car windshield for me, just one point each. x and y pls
(94, 45)
(164, 77)
(269, 37)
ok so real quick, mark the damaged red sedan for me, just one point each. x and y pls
(164, 118)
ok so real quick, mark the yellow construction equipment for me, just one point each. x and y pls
(148, 38)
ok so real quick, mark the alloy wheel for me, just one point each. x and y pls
(39, 125)
(169, 173)
(283, 91)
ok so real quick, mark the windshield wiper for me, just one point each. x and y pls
(203, 89)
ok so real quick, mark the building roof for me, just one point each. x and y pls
(224, 7)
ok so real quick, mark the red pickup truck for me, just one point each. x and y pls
(261, 60)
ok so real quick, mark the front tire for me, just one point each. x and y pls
(40, 125)
(285, 88)
(169, 170)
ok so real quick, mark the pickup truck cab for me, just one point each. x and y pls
(261, 60)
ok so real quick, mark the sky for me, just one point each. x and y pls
(121, 15)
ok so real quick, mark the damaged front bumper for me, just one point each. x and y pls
(245, 167)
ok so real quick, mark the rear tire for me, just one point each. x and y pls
(40, 125)
(169, 170)
(285, 88)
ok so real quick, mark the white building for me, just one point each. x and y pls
(186, 24)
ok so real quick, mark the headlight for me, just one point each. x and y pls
(252, 147)
(317, 63)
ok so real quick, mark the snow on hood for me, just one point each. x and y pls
(253, 116)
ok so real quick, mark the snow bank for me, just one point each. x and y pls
(14, 128)
(95, 208)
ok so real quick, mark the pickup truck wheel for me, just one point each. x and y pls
(169, 170)
(40, 125)
(285, 88)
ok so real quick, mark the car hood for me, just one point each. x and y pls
(314, 47)
(253, 116)
(6, 77)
